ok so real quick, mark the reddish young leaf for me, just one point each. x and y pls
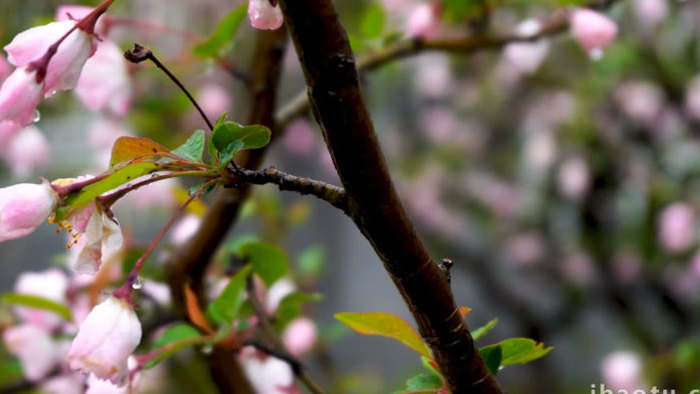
(195, 312)
(385, 324)
(126, 148)
(463, 310)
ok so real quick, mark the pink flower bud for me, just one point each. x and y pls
(50, 284)
(27, 151)
(104, 82)
(35, 349)
(65, 66)
(20, 94)
(264, 16)
(676, 227)
(593, 30)
(105, 340)
(423, 20)
(23, 207)
(622, 370)
(299, 336)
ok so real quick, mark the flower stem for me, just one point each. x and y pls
(140, 53)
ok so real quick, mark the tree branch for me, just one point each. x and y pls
(337, 103)
(334, 195)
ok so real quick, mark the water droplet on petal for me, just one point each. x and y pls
(50, 94)
(37, 116)
(207, 349)
(138, 283)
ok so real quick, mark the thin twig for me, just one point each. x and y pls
(140, 53)
(334, 195)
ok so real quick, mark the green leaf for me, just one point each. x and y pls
(231, 149)
(385, 324)
(310, 261)
(373, 21)
(423, 381)
(522, 350)
(173, 339)
(10, 371)
(253, 136)
(492, 355)
(127, 148)
(118, 176)
(223, 33)
(290, 307)
(193, 148)
(37, 302)
(269, 261)
(483, 330)
(225, 308)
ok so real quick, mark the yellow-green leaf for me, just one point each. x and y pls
(32, 301)
(385, 324)
(127, 148)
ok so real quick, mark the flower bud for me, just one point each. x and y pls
(677, 227)
(20, 94)
(23, 207)
(593, 30)
(104, 82)
(106, 338)
(300, 335)
(264, 16)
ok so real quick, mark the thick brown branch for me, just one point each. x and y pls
(336, 99)
(334, 195)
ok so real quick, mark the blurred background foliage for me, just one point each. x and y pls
(566, 192)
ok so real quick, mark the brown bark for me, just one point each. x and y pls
(338, 106)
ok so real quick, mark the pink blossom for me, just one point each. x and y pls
(423, 20)
(185, 229)
(527, 56)
(72, 12)
(8, 129)
(677, 227)
(27, 151)
(692, 99)
(104, 83)
(579, 269)
(433, 75)
(65, 66)
(264, 16)
(50, 284)
(214, 100)
(526, 249)
(300, 138)
(35, 349)
(643, 102)
(101, 234)
(622, 370)
(300, 336)
(63, 384)
(99, 386)
(277, 292)
(20, 94)
(105, 340)
(574, 178)
(650, 12)
(267, 375)
(593, 30)
(23, 207)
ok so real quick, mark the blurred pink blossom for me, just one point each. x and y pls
(185, 228)
(300, 138)
(35, 349)
(277, 292)
(440, 125)
(692, 99)
(300, 336)
(622, 370)
(526, 248)
(527, 56)
(104, 83)
(593, 31)
(63, 384)
(677, 227)
(650, 12)
(574, 178)
(20, 94)
(578, 268)
(27, 151)
(23, 207)
(626, 266)
(65, 66)
(267, 375)
(5, 68)
(264, 16)
(51, 284)
(424, 20)
(214, 100)
(106, 338)
(643, 102)
(433, 75)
